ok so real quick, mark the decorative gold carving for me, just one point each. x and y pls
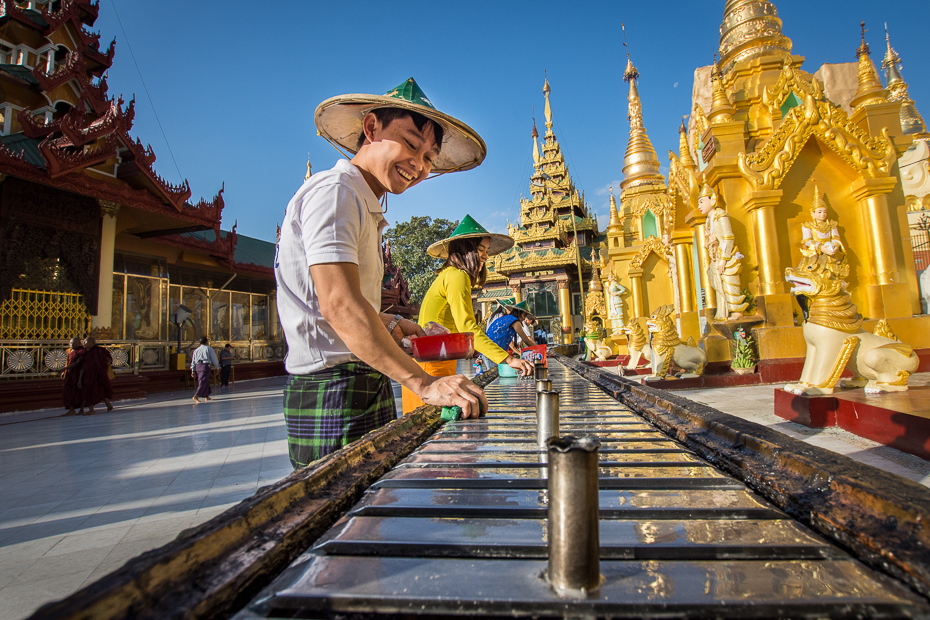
(790, 80)
(849, 344)
(884, 330)
(651, 245)
(108, 207)
(766, 168)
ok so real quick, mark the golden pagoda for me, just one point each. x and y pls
(763, 134)
(553, 243)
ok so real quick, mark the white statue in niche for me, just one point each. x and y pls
(614, 292)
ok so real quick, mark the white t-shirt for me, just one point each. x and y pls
(333, 218)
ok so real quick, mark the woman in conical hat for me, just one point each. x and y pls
(448, 300)
(515, 321)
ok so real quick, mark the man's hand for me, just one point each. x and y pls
(721, 266)
(454, 391)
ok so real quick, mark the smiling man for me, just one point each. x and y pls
(329, 268)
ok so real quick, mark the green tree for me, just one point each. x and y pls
(409, 241)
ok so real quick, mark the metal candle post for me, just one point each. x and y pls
(543, 385)
(547, 416)
(574, 541)
(540, 372)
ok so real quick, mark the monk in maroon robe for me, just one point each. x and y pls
(71, 393)
(97, 386)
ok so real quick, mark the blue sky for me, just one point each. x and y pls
(235, 84)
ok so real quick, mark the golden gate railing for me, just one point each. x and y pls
(43, 315)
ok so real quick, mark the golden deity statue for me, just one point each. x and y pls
(723, 257)
(821, 246)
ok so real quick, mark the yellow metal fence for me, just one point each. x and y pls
(43, 315)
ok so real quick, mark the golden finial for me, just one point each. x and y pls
(684, 151)
(535, 143)
(911, 120)
(721, 110)
(546, 91)
(640, 163)
(870, 87)
(614, 213)
(309, 172)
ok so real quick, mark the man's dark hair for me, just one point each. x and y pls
(463, 254)
(389, 115)
(204, 340)
(227, 346)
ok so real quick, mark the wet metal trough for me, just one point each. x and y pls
(459, 528)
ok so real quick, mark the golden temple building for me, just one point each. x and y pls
(766, 135)
(554, 243)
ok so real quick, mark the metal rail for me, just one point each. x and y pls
(459, 528)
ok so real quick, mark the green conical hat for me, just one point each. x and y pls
(522, 307)
(339, 120)
(468, 228)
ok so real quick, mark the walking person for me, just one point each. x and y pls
(203, 360)
(96, 367)
(226, 364)
(71, 394)
(329, 267)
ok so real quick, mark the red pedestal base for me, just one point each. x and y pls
(897, 419)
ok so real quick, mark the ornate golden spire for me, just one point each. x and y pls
(614, 214)
(684, 151)
(721, 110)
(309, 172)
(751, 29)
(640, 164)
(546, 90)
(870, 87)
(535, 144)
(911, 121)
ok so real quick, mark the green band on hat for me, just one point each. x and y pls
(410, 91)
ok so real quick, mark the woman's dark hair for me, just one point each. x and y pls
(463, 254)
(204, 340)
(389, 115)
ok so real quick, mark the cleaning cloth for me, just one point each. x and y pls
(451, 414)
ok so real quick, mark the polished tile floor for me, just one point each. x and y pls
(79, 496)
(82, 495)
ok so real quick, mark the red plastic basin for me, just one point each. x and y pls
(443, 347)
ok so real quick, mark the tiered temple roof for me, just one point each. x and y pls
(550, 218)
(60, 128)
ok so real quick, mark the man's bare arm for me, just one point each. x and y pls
(358, 325)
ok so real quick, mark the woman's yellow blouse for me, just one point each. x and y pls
(448, 302)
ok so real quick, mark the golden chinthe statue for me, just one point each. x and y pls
(821, 246)
(723, 264)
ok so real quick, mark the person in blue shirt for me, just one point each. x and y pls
(511, 321)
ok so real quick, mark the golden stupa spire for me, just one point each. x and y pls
(870, 87)
(546, 90)
(309, 172)
(614, 214)
(684, 151)
(640, 163)
(911, 121)
(535, 144)
(721, 110)
(751, 29)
